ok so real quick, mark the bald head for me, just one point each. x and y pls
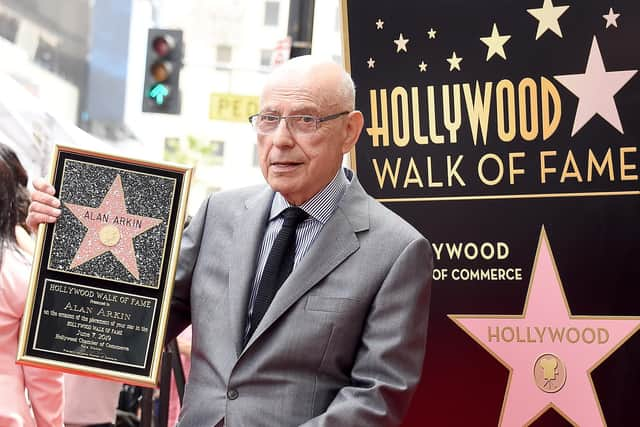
(301, 155)
(328, 80)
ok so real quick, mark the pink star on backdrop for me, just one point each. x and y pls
(595, 90)
(546, 309)
(112, 207)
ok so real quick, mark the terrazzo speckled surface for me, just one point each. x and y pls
(145, 195)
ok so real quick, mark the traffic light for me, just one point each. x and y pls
(162, 73)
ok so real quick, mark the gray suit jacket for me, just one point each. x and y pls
(342, 344)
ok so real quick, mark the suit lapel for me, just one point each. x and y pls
(247, 239)
(336, 241)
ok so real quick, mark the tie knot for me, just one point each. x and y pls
(293, 216)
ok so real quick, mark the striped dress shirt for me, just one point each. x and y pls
(320, 208)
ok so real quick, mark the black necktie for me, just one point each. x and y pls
(278, 267)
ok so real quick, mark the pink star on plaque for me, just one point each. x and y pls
(549, 352)
(595, 90)
(110, 228)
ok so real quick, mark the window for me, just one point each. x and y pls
(8, 27)
(265, 57)
(207, 153)
(271, 12)
(194, 150)
(223, 54)
(46, 55)
(217, 148)
(171, 147)
(256, 159)
(213, 154)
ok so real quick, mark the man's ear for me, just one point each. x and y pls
(355, 121)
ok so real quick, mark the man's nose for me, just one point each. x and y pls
(282, 134)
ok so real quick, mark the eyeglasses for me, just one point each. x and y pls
(300, 124)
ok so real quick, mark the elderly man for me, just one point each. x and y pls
(308, 299)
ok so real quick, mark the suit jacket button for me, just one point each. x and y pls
(233, 394)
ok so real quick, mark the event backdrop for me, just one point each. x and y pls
(507, 132)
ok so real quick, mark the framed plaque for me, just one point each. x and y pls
(103, 274)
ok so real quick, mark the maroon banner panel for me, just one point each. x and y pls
(507, 133)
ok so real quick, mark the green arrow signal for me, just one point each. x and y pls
(158, 93)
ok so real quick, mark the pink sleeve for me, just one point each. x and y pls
(13, 278)
(186, 335)
(45, 389)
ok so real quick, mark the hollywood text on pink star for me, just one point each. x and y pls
(549, 352)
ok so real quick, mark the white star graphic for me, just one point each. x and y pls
(612, 18)
(547, 17)
(422, 66)
(371, 62)
(595, 90)
(495, 42)
(401, 42)
(454, 62)
(431, 33)
(379, 24)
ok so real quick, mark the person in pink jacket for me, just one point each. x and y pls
(42, 404)
(184, 346)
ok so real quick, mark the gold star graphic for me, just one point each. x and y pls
(495, 42)
(432, 33)
(612, 18)
(371, 62)
(454, 62)
(547, 17)
(422, 66)
(379, 24)
(401, 42)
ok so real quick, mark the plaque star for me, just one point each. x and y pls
(549, 352)
(495, 42)
(454, 62)
(110, 228)
(611, 18)
(422, 66)
(432, 33)
(379, 24)
(401, 43)
(371, 63)
(547, 17)
(595, 90)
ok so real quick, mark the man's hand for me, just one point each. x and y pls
(44, 205)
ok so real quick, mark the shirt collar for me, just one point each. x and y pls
(321, 205)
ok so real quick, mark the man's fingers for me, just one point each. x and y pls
(44, 207)
(36, 207)
(39, 214)
(43, 201)
(41, 185)
(34, 219)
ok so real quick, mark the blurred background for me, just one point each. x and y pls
(162, 80)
